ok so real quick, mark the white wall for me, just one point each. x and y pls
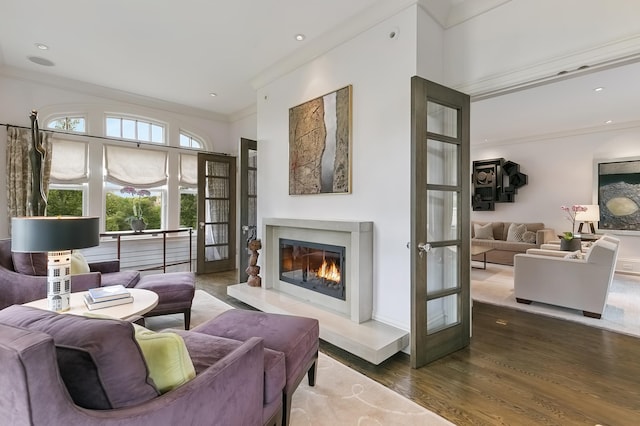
(560, 172)
(20, 96)
(379, 68)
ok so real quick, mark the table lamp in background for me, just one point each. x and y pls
(57, 236)
(591, 215)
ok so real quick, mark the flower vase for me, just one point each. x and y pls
(570, 245)
(138, 225)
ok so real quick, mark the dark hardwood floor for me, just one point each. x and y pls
(520, 369)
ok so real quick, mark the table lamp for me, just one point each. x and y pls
(57, 236)
(591, 215)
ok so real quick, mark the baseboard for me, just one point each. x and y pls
(628, 266)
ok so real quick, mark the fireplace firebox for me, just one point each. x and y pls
(316, 267)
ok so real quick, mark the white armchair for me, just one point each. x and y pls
(581, 284)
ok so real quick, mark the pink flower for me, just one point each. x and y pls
(571, 214)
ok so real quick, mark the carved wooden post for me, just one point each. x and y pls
(253, 269)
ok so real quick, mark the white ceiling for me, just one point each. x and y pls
(180, 51)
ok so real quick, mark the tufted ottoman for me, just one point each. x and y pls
(296, 337)
(175, 292)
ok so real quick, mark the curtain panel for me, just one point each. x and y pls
(19, 176)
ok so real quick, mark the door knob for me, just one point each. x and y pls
(423, 248)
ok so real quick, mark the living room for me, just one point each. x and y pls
(559, 163)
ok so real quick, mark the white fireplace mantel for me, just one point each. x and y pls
(356, 237)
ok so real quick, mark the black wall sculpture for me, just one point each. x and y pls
(495, 181)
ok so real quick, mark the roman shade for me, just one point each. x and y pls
(69, 162)
(142, 168)
(188, 170)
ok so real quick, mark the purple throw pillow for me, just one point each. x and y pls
(30, 263)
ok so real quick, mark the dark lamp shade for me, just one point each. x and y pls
(40, 233)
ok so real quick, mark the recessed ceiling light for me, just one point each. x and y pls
(213, 95)
(41, 46)
(598, 89)
(300, 37)
(608, 122)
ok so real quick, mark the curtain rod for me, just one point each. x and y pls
(137, 143)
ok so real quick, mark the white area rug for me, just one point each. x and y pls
(622, 312)
(341, 396)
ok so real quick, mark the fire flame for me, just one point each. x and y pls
(329, 271)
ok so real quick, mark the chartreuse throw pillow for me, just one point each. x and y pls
(167, 358)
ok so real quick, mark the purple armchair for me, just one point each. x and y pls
(46, 369)
(17, 288)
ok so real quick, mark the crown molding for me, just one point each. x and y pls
(572, 64)
(562, 134)
(109, 93)
(243, 113)
(448, 14)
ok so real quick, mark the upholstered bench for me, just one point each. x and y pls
(175, 292)
(296, 337)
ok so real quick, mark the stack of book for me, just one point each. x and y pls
(103, 297)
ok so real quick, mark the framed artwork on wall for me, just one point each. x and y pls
(617, 192)
(320, 144)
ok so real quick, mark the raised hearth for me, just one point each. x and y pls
(347, 323)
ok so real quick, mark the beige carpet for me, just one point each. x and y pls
(621, 314)
(341, 396)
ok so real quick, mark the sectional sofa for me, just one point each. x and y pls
(504, 248)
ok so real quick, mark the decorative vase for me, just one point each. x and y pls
(138, 225)
(570, 245)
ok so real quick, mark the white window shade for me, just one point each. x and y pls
(142, 168)
(188, 170)
(69, 162)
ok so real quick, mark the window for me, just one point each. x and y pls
(189, 141)
(188, 208)
(65, 200)
(138, 130)
(188, 182)
(70, 124)
(69, 178)
(125, 203)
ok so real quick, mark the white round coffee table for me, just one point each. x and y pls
(143, 302)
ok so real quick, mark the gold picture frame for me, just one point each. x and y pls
(320, 145)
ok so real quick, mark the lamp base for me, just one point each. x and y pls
(59, 280)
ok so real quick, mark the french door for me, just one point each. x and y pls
(216, 213)
(248, 202)
(440, 210)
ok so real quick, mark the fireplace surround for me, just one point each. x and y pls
(357, 240)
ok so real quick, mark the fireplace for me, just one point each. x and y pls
(314, 266)
(345, 242)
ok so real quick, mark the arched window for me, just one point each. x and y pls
(134, 129)
(76, 124)
(189, 141)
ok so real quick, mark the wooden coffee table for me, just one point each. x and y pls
(143, 302)
(483, 250)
